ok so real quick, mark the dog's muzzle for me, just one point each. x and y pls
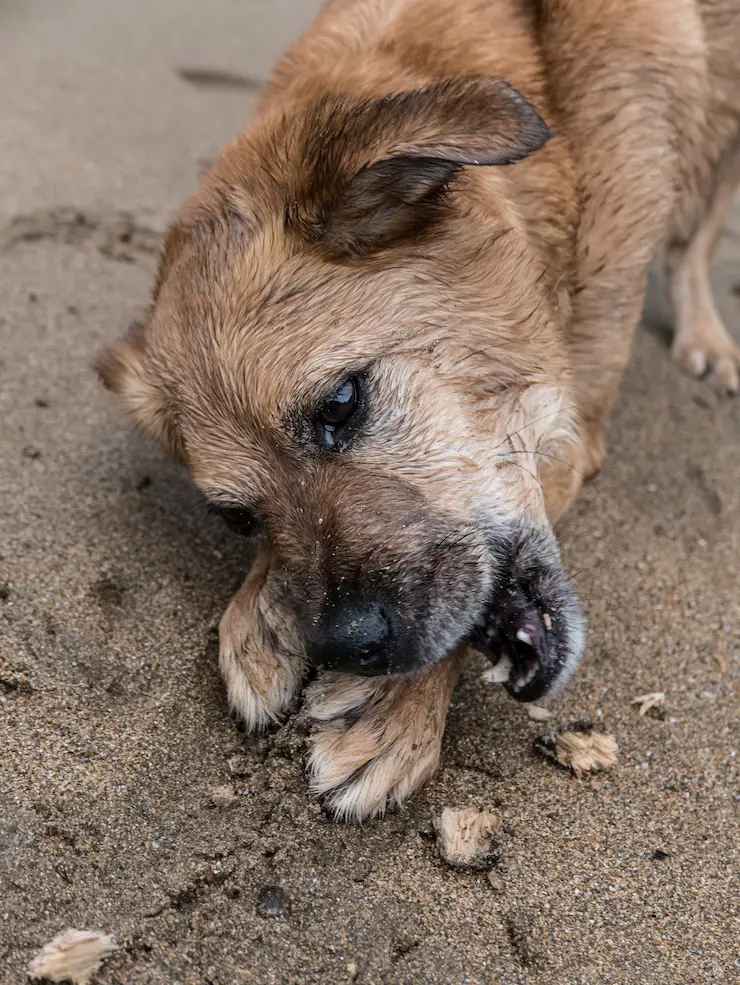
(530, 626)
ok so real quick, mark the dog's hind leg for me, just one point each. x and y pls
(261, 658)
(375, 740)
(702, 344)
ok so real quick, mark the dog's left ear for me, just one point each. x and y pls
(123, 369)
(378, 170)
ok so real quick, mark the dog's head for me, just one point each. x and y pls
(356, 351)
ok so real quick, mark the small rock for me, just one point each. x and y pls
(659, 855)
(223, 796)
(272, 902)
(497, 883)
(466, 837)
(538, 714)
(352, 970)
(73, 956)
(30, 452)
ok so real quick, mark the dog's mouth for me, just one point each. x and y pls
(518, 642)
(532, 632)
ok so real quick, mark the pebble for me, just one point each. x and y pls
(272, 902)
(538, 714)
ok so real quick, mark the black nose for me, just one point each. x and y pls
(356, 638)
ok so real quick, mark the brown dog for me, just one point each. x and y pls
(387, 330)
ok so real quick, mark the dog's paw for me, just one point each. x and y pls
(262, 667)
(260, 684)
(374, 741)
(709, 351)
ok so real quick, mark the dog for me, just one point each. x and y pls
(387, 330)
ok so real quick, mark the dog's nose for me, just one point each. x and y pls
(356, 638)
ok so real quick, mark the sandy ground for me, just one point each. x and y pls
(113, 726)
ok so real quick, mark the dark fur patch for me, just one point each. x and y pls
(379, 168)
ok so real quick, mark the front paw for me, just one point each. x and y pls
(375, 741)
(262, 664)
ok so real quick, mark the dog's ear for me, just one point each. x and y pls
(378, 170)
(124, 369)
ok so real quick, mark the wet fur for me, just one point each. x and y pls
(493, 308)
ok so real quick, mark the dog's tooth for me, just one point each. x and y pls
(524, 637)
(500, 672)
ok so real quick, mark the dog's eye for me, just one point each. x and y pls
(341, 405)
(338, 409)
(237, 519)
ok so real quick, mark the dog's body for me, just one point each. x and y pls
(391, 325)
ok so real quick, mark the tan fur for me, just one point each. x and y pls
(375, 741)
(498, 321)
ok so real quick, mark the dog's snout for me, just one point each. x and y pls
(356, 637)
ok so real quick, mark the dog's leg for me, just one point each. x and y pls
(630, 172)
(376, 740)
(261, 659)
(702, 344)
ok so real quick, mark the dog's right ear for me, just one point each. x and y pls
(378, 170)
(124, 369)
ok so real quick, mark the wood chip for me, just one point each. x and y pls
(538, 714)
(655, 699)
(586, 752)
(73, 956)
(466, 837)
(579, 747)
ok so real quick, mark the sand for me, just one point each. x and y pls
(130, 802)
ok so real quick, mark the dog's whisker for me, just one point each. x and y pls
(542, 454)
(537, 420)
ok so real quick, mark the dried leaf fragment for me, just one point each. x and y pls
(466, 837)
(656, 699)
(74, 956)
(586, 752)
